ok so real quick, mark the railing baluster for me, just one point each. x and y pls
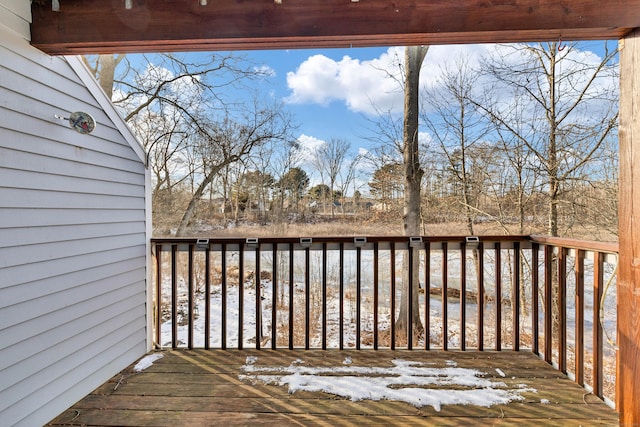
(562, 309)
(258, 299)
(427, 295)
(241, 254)
(207, 298)
(498, 299)
(392, 296)
(341, 296)
(598, 344)
(190, 298)
(223, 317)
(445, 291)
(579, 317)
(376, 279)
(307, 298)
(291, 295)
(410, 298)
(358, 294)
(463, 296)
(548, 303)
(516, 296)
(481, 296)
(174, 297)
(158, 306)
(535, 288)
(324, 296)
(274, 296)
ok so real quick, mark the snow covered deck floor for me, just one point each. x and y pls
(231, 387)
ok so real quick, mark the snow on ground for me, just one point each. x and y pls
(147, 361)
(406, 381)
(232, 297)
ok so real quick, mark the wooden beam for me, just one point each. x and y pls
(628, 383)
(98, 26)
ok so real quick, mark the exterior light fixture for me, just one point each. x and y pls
(80, 121)
(202, 244)
(472, 242)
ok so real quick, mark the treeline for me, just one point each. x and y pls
(588, 208)
(523, 139)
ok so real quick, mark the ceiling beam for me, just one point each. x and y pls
(108, 26)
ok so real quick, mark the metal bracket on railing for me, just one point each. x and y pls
(472, 242)
(202, 244)
(359, 241)
(415, 241)
(305, 242)
(252, 242)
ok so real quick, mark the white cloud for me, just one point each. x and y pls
(367, 86)
(360, 84)
(309, 144)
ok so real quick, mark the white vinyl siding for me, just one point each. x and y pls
(73, 235)
(15, 15)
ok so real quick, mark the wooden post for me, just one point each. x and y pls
(628, 381)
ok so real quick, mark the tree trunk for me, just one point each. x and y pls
(106, 72)
(414, 56)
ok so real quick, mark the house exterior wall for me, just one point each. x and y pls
(73, 233)
(15, 16)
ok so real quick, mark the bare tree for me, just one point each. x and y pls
(561, 106)
(104, 68)
(280, 164)
(349, 177)
(329, 158)
(570, 102)
(169, 102)
(514, 185)
(414, 56)
(230, 141)
(598, 198)
(454, 123)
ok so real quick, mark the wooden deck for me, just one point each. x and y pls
(200, 387)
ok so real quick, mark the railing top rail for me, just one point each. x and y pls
(340, 239)
(588, 245)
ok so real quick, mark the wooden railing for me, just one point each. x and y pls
(484, 293)
(577, 283)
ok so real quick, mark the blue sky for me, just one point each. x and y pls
(325, 116)
(332, 91)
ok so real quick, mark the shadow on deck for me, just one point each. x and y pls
(210, 387)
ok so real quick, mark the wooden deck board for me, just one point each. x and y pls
(205, 388)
